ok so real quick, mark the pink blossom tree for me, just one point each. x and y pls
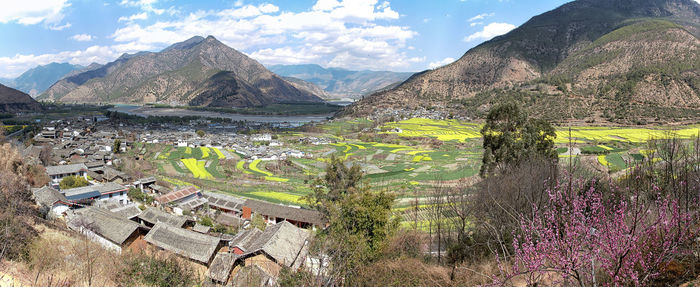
(580, 239)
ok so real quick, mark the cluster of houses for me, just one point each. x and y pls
(104, 212)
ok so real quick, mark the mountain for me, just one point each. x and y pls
(626, 61)
(12, 101)
(36, 80)
(340, 82)
(199, 71)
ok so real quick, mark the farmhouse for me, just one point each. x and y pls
(100, 192)
(58, 172)
(282, 244)
(107, 228)
(195, 246)
(52, 201)
(152, 216)
(179, 195)
(276, 213)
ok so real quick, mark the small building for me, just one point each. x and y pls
(58, 172)
(179, 195)
(108, 229)
(51, 201)
(100, 192)
(282, 244)
(130, 211)
(152, 216)
(145, 183)
(195, 246)
(276, 213)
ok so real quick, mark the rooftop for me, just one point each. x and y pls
(65, 169)
(190, 244)
(105, 223)
(177, 195)
(155, 216)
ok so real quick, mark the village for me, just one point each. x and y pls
(123, 211)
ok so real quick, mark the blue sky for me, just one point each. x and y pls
(354, 34)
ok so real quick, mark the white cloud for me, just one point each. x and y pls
(139, 16)
(144, 5)
(354, 34)
(31, 12)
(473, 24)
(489, 31)
(333, 33)
(441, 63)
(14, 66)
(82, 37)
(56, 27)
(481, 17)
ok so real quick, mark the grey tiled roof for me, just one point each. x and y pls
(183, 242)
(105, 223)
(47, 196)
(154, 216)
(65, 169)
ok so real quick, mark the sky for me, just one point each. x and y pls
(399, 35)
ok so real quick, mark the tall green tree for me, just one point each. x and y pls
(116, 146)
(511, 137)
(359, 220)
(69, 182)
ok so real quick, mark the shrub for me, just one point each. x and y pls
(73, 182)
(163, 271)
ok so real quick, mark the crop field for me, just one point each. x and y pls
(397, 159)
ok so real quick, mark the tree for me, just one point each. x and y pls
(45, 154)
(359, 220)
(116, 147)
(579, 238)
(69, 182)
(510, 137)
(258, 222)
(200, 133)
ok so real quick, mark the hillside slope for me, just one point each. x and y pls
(186, 73)
(13, 101)
(614, 60)
(36, 80)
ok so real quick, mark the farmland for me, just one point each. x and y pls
(408, 157)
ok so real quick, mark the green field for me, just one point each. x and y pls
(400, 162)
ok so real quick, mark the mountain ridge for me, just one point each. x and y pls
(530, 64)
(181, 74)
(338, 82)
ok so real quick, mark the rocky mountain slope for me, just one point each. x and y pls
(36, 80)
(340, 82)
(199, 71)
(13, 101)
(612, 60)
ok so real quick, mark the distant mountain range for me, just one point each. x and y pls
(622, 61)
(199, 72)
(36, 80)
(13, 101)
(340, 82)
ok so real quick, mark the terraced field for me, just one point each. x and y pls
(398, 161)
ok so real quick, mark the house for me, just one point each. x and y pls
(276, 213)
(201, 228)
(195, 246)
(100, 192)
(108, 229)
(179, 195)
(226, 204)
(113, 175)
(145, 183)
(58, 172)
(152, 216)
(130, 211)
(52, 201)
(282, 244)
